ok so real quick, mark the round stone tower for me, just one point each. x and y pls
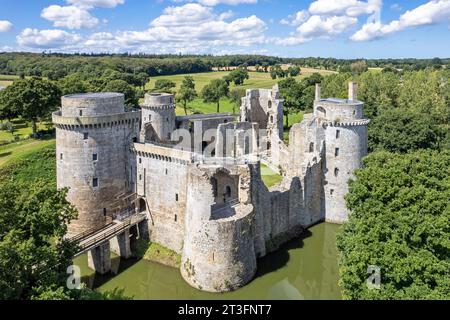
(158, 116)
(93, 137)
(345, 146)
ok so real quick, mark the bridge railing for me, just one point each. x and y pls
(110, 233)
(91, 231)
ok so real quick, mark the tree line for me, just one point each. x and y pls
(56, 66)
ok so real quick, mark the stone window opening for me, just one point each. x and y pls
(167, 172)
(104, 212)
(140, 177)
(270, 104)
(60, 156)
(332, 191)
(95, 182)
(176, 197)
(81, 113)
(94, 157)
(271, 119)
(336, 172)
(176, 218)
(140, 160)
(228, 192)
(338, 134)
(85, 136)
(336, 152)
(311, 147)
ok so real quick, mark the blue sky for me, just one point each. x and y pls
(326, 28)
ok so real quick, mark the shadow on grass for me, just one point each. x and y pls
(5, 154)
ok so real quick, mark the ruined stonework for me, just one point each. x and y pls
(198, 177)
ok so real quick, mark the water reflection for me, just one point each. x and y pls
(305, 268)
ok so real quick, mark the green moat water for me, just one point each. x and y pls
(305, 268)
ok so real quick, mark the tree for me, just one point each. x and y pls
(291, 92)
(72, 84)
(164, 85)
(143, 78)
(237, 76)
(122, 87)
(187, 92)
(214, 91)
(403, 130)
(236, 96)
(359, 67)
(32, 99)
(6, 112)
(33, 252)
(294, 71)
(400, 222)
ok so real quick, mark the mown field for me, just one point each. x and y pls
(6, 80)
(257, 79)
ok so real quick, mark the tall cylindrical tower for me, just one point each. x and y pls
(93, 137)
(158, 111)
(345, 146)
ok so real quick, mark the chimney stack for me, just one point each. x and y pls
(352, 91)
(317, 92)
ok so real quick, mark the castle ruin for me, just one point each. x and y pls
(198, 180)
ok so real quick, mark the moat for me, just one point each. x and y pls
(305, 268)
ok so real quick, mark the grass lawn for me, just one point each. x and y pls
(269, 177)
(16, 151)
(21, 129)
(6, 80)
(257, 79)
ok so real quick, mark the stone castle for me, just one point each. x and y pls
(198, 178)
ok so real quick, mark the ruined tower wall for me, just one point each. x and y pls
(218, 253)
(92, 155)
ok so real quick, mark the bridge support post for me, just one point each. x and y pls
(120, 245)
(99, 258)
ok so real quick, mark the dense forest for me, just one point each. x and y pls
(55, 66)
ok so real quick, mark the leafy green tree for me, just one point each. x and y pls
(72, 84)
(143, 78)
(291, 92)
(32, 99)
(6, 112)
(400, 222)
(33, 252)
(237, 76)
(402, 130)
(164, 85)
(121, 86)
(236, 96)
(214, 91)
(187, 92)
(294, 71)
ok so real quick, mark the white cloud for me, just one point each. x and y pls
(318, 26)
(48, 39)
(96, 3)
(352, 8)
(432, 12)
(70, 17)
(5, 26)
(296, 19)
